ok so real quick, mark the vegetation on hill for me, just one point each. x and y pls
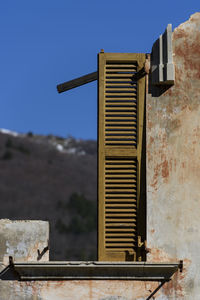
(41, 180)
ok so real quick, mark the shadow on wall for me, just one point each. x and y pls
(142, 201)
(157, 90)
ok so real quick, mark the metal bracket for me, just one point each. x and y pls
(180, 266)
(162, 67)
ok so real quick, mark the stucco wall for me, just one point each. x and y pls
(78, 290)
(24, 240)
(173, 165)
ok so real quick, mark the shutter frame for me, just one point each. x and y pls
(110, 147)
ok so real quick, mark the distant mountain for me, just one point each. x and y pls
(55, 179)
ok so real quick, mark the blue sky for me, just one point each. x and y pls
(44, 43)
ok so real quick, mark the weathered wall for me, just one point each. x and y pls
(24, 240)
(77, 290)
(173, 165)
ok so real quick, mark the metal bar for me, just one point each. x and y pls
(156, 290)
(136, 278)
(68, 85)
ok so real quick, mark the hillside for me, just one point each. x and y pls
(55, 179)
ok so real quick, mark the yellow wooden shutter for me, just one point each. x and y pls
(121, 110)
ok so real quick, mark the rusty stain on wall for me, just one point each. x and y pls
(85, 289)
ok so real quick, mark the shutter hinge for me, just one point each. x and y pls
(142, 248)
(140, 243)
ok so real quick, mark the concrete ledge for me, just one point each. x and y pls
(93, 270)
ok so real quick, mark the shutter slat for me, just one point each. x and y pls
(120, 65)
(120, 216)
(120, 110)
(120, 230)
(123, 235)
(117, 200)
(124, 127)
(126, 239)
(122, 205)
(120, 160)
(117, 76)
(120, 181)
(122, 93)
(120, 211)
(115, 133)
(120, 224)
(112, 98)
(116, 172)
(120, 105)
(120, 166)
(118, 120)
(120, 68)
(122, 89)
(112, 85)
(118, 176)
(120, 186)
(117, 80)
(118, 245)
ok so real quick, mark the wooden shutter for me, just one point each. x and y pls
(121, 110)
